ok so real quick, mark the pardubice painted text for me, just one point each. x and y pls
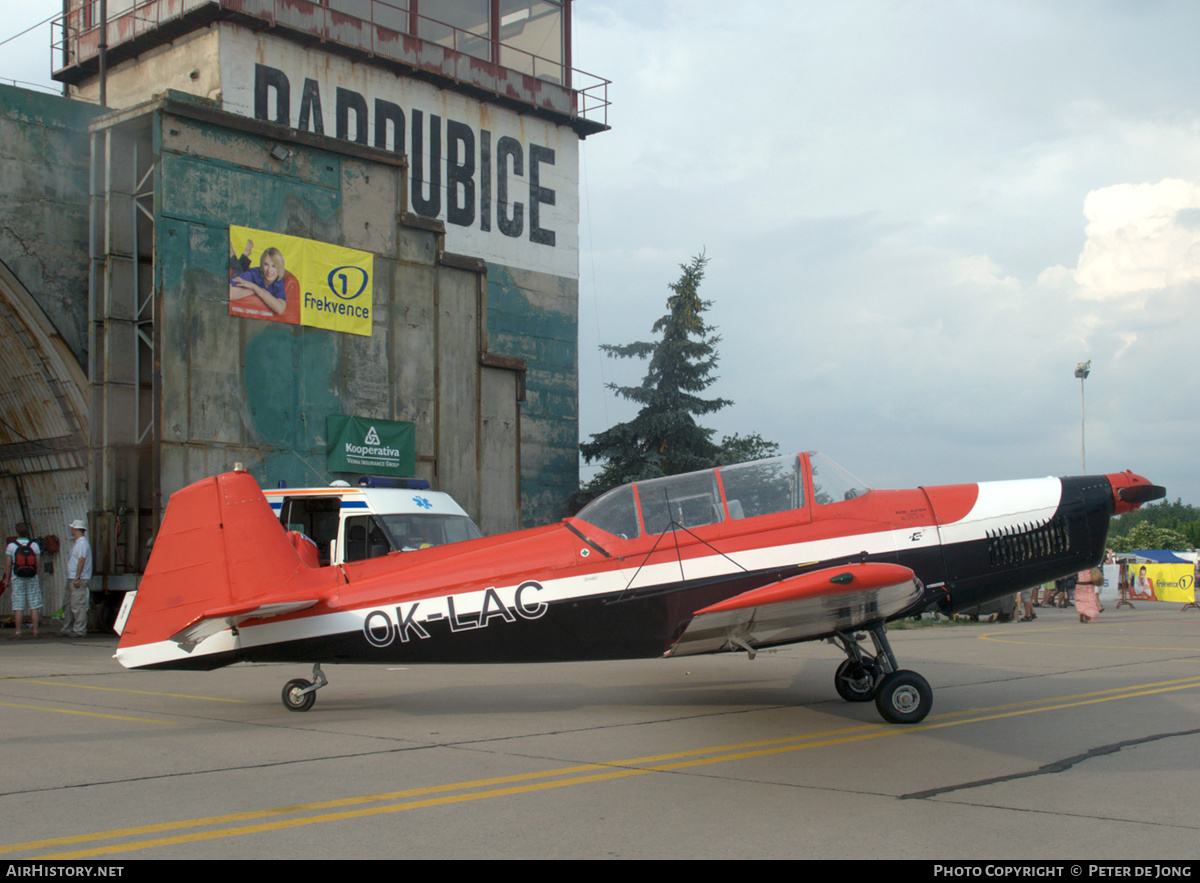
(472, 166)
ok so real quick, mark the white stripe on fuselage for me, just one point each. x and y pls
(999, 504)
(490, 606)
(1006, 504)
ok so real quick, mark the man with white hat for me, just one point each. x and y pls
(79, 583)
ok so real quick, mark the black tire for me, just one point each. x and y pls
(294, 697)
(855, 681)
(904, 697)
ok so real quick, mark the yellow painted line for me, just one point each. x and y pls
(116, 717)
(412, 792)
(525, 783)
(123, 690)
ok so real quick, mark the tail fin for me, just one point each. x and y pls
(221, 554)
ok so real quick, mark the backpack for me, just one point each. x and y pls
(24, 560)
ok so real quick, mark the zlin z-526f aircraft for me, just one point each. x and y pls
(737, 558)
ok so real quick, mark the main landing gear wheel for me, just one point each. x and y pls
(904, 697)
(299, 694)
(855, 680)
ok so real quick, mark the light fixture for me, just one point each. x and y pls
(280, 152)
(1082, 370)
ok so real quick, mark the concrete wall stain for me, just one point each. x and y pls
(535, 317)
(240, 390)
(43, 205)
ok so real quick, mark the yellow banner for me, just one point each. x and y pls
(298, 281)
(1162, 582)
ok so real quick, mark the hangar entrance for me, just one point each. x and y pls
(43, 433)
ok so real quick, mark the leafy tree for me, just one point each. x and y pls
(665, 437)
(1180, 517)
(736, 449)
(1147, 536)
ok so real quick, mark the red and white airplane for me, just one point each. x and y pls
(737, 558)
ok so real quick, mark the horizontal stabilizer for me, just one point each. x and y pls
(213, 621)
(803, 607)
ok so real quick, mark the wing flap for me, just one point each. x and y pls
(811, 605)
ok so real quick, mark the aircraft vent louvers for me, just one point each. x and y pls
(1027, 543)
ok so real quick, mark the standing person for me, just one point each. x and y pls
(1195, 602)
(1087, 599)
(79, 583)
(1027, 614)
(23, 564)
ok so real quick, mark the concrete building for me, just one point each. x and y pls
(435, 140)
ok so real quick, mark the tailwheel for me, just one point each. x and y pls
(855, 680)
(904, 697)
(297, 696)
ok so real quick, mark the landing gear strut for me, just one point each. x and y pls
(299, 694)
(902, 697)
(855, 680)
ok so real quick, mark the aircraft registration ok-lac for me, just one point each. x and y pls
(737, 558)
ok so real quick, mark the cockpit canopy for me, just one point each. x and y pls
(744, 490)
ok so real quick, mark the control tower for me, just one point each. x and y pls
(433, 142)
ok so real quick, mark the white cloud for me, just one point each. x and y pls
(1140, 238)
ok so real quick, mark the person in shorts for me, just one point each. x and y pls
(24, 564)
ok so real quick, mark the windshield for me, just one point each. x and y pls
(761, 487)
(613, 512)
(412, 531)
(832, 483)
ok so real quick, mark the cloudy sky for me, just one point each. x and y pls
(920, 216)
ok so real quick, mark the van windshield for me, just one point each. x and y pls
(410, 531)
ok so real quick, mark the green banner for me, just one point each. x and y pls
(373, 447)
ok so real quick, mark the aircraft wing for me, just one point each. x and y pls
(212, 621)
(811, 605)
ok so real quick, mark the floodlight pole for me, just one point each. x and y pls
(1082, 370)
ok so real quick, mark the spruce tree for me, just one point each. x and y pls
(664, 438)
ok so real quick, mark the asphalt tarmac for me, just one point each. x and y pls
(1048, 739)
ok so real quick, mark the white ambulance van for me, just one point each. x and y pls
(352, 523)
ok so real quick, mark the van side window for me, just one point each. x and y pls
(317, 518)
(365, 539)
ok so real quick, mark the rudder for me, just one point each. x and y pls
(219, 545)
